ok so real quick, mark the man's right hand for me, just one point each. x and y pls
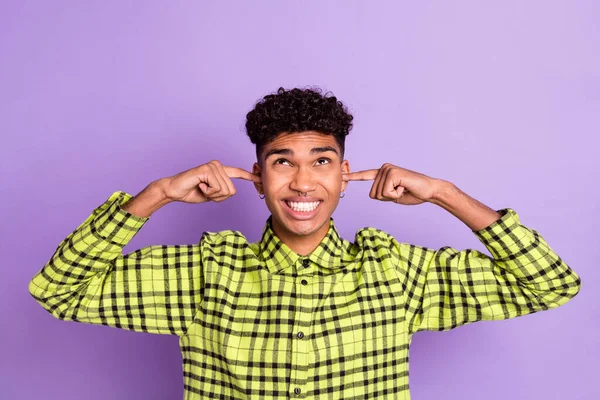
(206, 182)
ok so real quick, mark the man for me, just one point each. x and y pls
(302, 313)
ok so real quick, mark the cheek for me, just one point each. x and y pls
(272, 183)
(333, 182)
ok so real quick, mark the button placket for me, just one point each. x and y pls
(300, 340)
(304, 268)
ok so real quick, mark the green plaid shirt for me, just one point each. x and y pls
(257, 320)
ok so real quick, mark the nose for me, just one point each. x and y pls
(302, 181)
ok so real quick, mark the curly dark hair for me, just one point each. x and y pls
(297, 110)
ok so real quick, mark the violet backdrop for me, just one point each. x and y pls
(501, 98)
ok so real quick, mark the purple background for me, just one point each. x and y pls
(502, 99)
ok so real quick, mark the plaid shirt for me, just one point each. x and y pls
(257, 320)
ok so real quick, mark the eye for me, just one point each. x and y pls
(280, 161)
(327, 161)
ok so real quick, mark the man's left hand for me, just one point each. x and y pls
(397, 184)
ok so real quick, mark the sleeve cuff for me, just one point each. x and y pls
(113, 223)
(506, 237)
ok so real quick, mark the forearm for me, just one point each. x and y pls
(89, 278)
(85, 255)
(148, 200)
(470, 211)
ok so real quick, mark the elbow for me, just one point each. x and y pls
(43, 297)
(574, 288)
(62, 304)
(561, 287)
(570, 284)
(39, 294)
(36, 291)
(564, 292)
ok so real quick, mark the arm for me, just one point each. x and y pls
(470, 211)
(155, 289)
(88, 279)
(447, 288)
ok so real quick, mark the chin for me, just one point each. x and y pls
(306, 228)
(301, 228)
(303, 220)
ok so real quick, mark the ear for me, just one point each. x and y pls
(345, 170)
(259, 186)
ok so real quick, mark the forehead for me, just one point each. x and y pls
(301, 142)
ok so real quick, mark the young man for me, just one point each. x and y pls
(302, 313)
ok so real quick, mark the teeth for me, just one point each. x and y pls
(304, 206)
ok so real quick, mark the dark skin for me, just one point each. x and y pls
(308, 162)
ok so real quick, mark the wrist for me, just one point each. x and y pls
(442, 192)
(148, 200)
(160, 189)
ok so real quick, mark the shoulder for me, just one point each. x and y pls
(371, 237)
(223, 238)
(377, 239)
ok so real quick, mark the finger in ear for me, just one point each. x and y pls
(258, 183)
(345, 170)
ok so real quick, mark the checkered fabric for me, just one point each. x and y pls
(257, 320)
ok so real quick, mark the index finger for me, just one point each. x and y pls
(240, 173)
(366, 175)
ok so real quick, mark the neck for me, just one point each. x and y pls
(300, 244)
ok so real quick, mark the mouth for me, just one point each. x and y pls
(302, 209)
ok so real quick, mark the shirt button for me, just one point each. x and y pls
(300, 335)
(306, 262)
(304, 282)
(297, 391)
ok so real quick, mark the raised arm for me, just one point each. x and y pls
(446, 288)
(154, 289)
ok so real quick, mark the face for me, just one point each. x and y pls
(301, 162)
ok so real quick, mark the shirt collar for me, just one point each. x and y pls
(278, 256)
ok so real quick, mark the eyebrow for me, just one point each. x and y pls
(290, 152)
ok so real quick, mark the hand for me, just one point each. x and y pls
(397, 184)
(207, 182)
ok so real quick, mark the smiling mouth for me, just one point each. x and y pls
(303, 207)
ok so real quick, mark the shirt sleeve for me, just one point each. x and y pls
(447, 288)
(88, 279)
